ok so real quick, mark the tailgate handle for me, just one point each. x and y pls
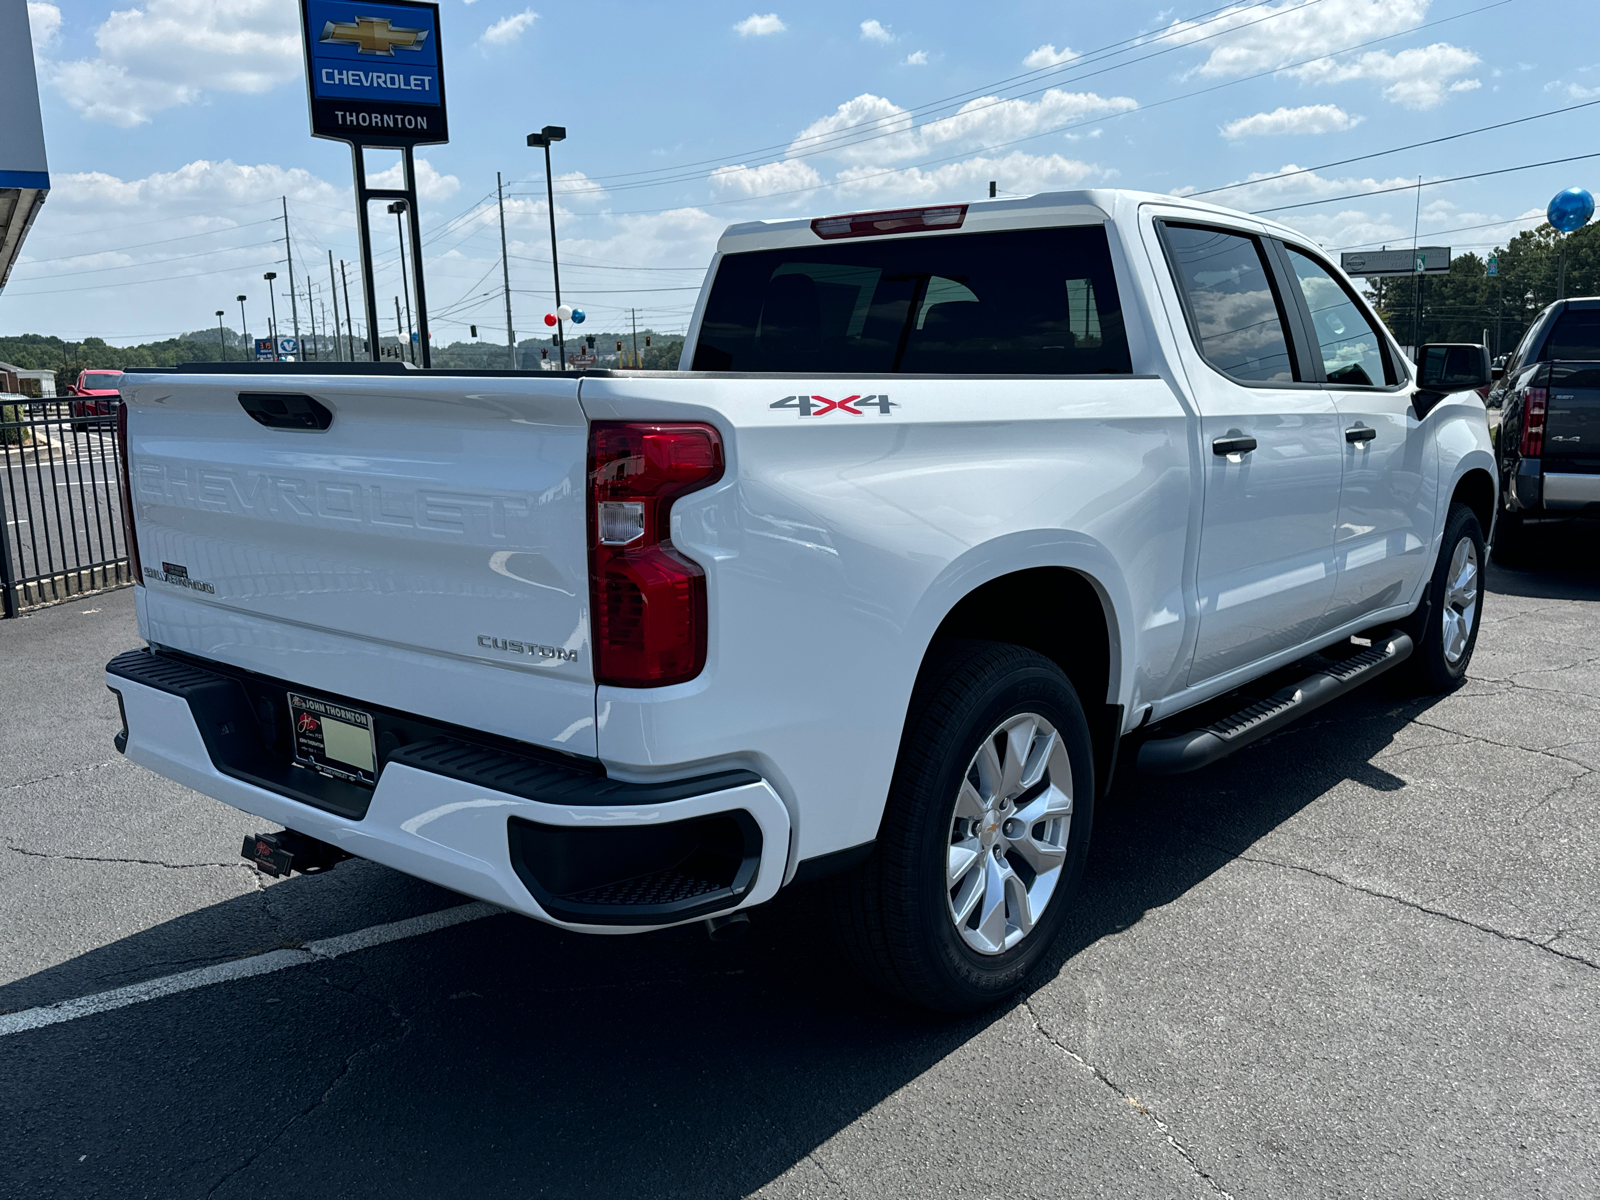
(285, 410)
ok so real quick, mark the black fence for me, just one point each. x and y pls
(61, 531)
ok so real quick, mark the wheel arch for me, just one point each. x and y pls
(1060, 606)
(1476, 489)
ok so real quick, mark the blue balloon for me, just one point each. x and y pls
(578, 314)
(1570, 209)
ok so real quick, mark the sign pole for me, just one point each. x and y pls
(415, 222)
(364, 235)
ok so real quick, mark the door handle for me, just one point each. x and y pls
(1233, 443)
(1360, 433)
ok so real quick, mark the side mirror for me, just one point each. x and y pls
(1453, 366)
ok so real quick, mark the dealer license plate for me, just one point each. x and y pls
(333, 739)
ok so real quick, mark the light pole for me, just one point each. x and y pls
(244, 329)
(398, 208)
(222, 345)
(547, 136)
(269, 277)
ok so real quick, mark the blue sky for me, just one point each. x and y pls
(174, 127)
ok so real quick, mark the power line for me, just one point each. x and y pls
(1449, 137)
(1406, 187)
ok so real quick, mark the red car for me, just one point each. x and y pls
(96, 394)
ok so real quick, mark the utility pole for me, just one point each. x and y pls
(400, 330)
(289, 251)
(349, 313)
(505, 271)
(311, 304)
(633, 313)
(333, 290)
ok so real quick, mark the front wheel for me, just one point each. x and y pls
(984, 834)
(1444, 630)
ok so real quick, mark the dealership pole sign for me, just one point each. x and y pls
(375, 78)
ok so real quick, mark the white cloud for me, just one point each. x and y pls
(44, 22)
(744, 182)
(1048, 56)
(1265, 37)
(508, 29)
(1415, 78)
(756, 25)
(171, 52)
(1575, 90)
(1313, 118)
(430, 184)
(1017, 172)
(875, 31)
(917, 58)
(981, 122)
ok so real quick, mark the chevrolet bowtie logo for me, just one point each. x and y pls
(373, 35)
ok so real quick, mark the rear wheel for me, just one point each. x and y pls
(984, 834)
(1445, 630)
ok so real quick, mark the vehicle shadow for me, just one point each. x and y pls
(1562, 563)
(504, 1058)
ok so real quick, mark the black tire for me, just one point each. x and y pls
(1438, 665)
(1513, 539)
(894, 914)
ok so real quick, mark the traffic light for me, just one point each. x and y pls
(589, 340)
(544, 354)
(474, 329)
(647, 339)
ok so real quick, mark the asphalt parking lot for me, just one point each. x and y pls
(1357, 959)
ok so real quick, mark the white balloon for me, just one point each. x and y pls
(565, 312)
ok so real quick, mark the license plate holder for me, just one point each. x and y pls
(333, 739)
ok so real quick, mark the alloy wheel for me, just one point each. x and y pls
(1460, 600)
(1008, 834)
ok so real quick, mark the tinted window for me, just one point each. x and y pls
(1352, 350)
(1575, 335)
(1229, 294)
(1024, 302)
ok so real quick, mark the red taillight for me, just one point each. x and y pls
(902, 220)
(1534, 402)
(127, 494)
(649, 601)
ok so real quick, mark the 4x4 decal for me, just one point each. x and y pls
(821, 406)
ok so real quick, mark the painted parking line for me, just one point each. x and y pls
(242, 968)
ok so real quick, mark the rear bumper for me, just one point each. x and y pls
(1563, 491)
(450, 828)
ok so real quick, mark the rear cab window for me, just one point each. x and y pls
(1012, 302)
(1575, 336)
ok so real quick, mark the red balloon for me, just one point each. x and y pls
(549, 318)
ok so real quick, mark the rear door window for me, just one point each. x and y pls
(1231, 302)
(1575, 335)
(1017, 302)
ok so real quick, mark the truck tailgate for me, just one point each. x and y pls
(425, 552)
(1572, 423)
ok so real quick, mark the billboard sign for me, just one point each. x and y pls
(264, 350)
(375, 72)
(1421, 260)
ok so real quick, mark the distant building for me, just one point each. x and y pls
(24, 174)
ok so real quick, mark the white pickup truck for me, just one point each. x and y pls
(945, 510)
